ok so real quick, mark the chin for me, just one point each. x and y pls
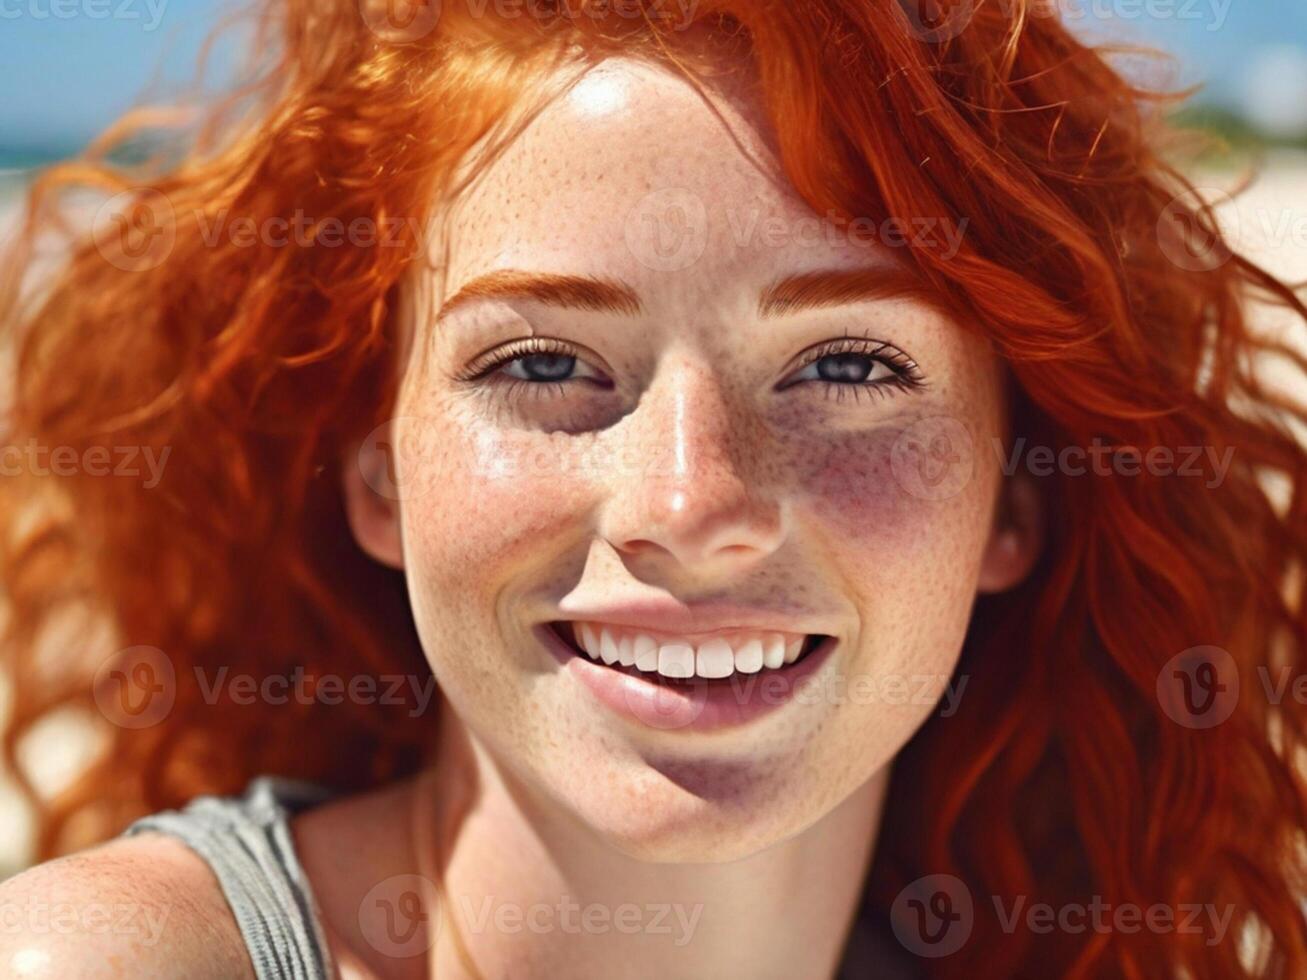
(664, 823)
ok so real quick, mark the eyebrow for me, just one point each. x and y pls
(838, 287)
(552, 289)
(789, 294)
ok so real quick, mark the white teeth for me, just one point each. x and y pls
(676, 660)
(715, 658)
(626, 650)
(608, 651)
(646, 653)
(792, 649)
(748, 659)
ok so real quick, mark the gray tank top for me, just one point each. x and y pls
(246, 840)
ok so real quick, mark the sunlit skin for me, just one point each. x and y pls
(687, 453)
(898, 370)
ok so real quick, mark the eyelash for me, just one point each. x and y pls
(907, 375)
(488, 366)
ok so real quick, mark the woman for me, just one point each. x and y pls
(756, 418)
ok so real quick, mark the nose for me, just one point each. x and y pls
(689, 490)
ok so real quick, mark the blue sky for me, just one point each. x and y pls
(67, 67)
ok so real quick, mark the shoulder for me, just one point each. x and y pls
(141, 907)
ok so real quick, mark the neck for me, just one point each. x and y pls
(533, 891)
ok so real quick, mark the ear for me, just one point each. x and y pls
(371, 497)
(1017, 537)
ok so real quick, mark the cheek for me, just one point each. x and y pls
(494, 498)
(849, 483)
(906, 520)
(895, 486)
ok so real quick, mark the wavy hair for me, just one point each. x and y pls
(1062, 778)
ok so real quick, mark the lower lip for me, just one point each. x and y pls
(695, 704)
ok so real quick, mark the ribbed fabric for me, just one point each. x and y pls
(246, 841)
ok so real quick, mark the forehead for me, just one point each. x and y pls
(634, 174)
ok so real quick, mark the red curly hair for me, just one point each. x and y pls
(1061, 777)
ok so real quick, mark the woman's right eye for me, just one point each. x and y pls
(534, 363)
(540, 367)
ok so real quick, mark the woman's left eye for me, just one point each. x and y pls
(858, 364)
(846, 368)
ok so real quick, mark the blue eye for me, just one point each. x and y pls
(544, 368)
(542, 365)
(854, 365)
(848, 368)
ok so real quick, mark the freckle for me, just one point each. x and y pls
(851, 483)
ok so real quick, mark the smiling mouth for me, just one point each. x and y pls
(677, 661)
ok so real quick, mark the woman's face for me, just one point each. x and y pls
(665, 444)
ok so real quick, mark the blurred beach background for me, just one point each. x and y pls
(70, 67)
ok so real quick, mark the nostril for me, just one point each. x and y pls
(638, 546)
(699, 549)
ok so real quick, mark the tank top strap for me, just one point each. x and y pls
(246, 840)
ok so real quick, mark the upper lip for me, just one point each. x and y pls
(707, 618)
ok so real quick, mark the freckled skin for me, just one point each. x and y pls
(691, 474)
